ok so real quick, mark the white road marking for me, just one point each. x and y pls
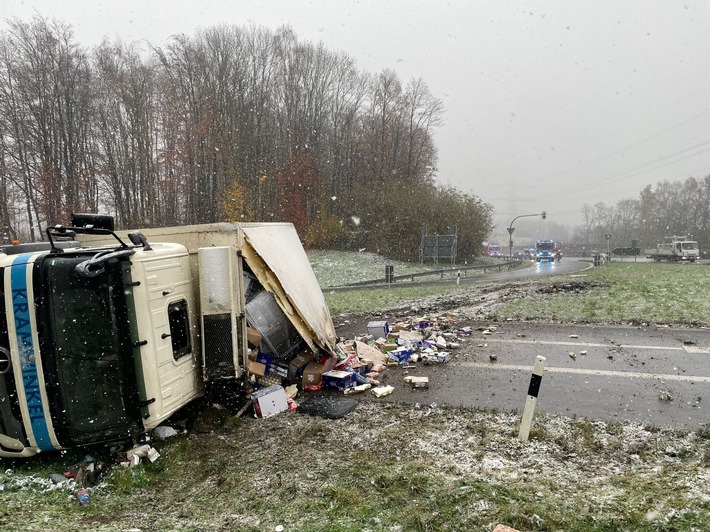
(591, 372)
(589, 344)
(696, 349)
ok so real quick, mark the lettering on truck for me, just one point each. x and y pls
(32, 392)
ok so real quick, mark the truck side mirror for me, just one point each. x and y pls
(139, 239)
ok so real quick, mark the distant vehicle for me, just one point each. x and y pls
(493, 249)
(675, 248)
(545, 250)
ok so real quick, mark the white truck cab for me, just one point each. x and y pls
(103, 340)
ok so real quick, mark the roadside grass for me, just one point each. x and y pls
(387, 467)
(616, 292)
(372, 300)
(391, 467)
(625, 292)
(336, 269)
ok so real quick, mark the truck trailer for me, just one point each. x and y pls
(675, 249)
(105, 334)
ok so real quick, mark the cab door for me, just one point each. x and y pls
(168, 321)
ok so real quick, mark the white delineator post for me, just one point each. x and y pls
(531, 400)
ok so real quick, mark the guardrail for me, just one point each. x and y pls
(412, 276)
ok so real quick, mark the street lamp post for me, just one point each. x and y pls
(510, 229)
(608, 254)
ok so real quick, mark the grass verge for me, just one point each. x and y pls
(397, 468)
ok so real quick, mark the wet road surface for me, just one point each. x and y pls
(655, 376)
(659, 376)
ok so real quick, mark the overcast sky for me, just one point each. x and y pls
(548, 104)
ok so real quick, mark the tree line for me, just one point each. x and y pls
(230, 124)
(671, 208)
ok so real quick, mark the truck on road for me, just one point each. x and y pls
(675, 249)
(105, 334)
(494, 249)
(545, 250)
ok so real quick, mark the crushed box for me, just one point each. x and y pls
(401, 354)
(298, 364)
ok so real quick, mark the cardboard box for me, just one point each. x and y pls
(253, 337)
(269, 401)
(298, 364)
(312, 373)
(257, 368)
(363, 367)
(418, 382)
(340, 380)
(378, 329)
(401, 354)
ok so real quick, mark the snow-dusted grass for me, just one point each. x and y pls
(624, 292)
(387, 467)
(617, 292)
(337, 268)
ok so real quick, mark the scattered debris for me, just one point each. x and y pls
(665, 396)
(163, 432)
(141, 451)
(83, 496)
(417, 382)
(572, 354)
(358, 389)
(381, 391)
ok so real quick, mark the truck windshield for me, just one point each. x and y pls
(545, 246)
(87, 351)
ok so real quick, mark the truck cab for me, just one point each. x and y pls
(103, 342)
(69, 374)
(545, 251)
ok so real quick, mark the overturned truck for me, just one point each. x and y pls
(105, 334)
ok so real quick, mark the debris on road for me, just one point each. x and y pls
(381, 391)
(665, 395)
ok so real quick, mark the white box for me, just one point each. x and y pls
(378, 329)
(269, 401)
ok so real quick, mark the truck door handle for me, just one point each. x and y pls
(165, 335)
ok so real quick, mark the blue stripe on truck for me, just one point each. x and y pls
(25, 343)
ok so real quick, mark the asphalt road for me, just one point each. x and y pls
(655, 376)
(658, 376)
(542, 269)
